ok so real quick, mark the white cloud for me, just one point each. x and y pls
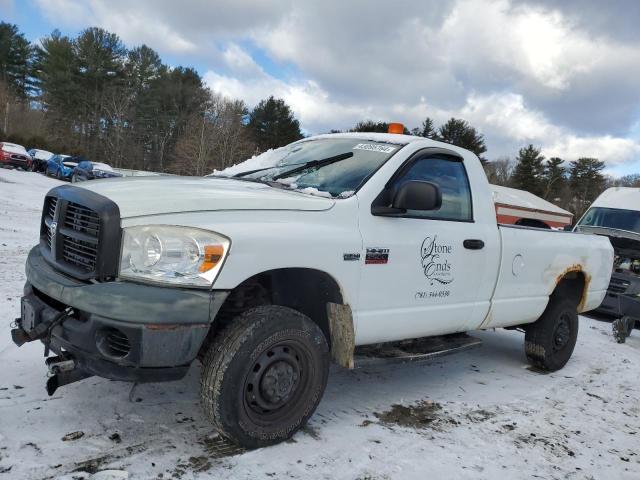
(506, 116)
(519, 70)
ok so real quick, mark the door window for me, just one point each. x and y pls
(451, 177)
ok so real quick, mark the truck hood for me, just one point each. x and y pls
(625, 243)
(140, 196)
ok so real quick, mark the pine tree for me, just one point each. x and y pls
(427, 130)
(272, 124)
(370, 126)
(376, 127)
(459, 133)
(16, 54)
(586, 182)
(529, 171)
(553, 179)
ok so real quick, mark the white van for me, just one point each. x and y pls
(616, 214)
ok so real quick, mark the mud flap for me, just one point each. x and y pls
(342, 334)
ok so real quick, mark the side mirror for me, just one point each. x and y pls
(568, 228)
(417, 195)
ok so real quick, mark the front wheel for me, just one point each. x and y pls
(264, 375)
(549, 342)
(74, 178)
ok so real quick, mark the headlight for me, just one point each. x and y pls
(169, 254)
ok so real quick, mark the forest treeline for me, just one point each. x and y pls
(90, 95)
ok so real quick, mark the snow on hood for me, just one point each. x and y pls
(14, 148)
(270, 158)
(42, 154)
(138, 196)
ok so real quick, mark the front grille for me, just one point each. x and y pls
(50, 209)
(618, 286)
(82, 219)
(80, 253)
(80, 233)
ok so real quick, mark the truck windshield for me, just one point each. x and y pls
(350, 162)
(619, 219)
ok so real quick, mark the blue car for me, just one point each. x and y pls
(61, 167)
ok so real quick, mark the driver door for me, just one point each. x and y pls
(421, 269)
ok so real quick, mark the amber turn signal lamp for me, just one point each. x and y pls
(396, 128)
(212, 255)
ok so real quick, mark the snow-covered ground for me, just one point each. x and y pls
(478, 415)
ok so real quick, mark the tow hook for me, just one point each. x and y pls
(42, 331)
(63, 371)
(58, 365)
(18, 335)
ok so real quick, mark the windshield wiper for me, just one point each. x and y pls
(303, 166)
(315, 163)
(249, 172)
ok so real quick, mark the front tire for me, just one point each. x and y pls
(264, 375)
(549, 342)
(74, 179)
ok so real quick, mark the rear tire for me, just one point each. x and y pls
(549, 342)
(264, 375)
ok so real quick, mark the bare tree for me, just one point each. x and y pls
(214, 138)
(499, 171)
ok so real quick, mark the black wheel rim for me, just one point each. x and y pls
(276, 382)
(561, 333)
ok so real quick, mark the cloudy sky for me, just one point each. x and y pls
(561, 75)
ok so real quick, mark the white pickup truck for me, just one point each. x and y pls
(309, 251)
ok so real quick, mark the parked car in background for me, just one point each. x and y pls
(87, 170)
(14, 155)
(616, 214)
(40, 159)
(61, 167)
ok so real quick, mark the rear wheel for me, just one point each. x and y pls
(264, 375)
(549, 342)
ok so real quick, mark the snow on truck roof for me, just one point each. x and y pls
(626, 198)
(520, 198)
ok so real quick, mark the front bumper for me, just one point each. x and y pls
(620, 305)
(157, 331)
(17, 162)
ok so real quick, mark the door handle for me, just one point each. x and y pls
(473, 244)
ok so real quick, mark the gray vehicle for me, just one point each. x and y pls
(616, 214)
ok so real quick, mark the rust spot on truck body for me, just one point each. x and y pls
(576, 268)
